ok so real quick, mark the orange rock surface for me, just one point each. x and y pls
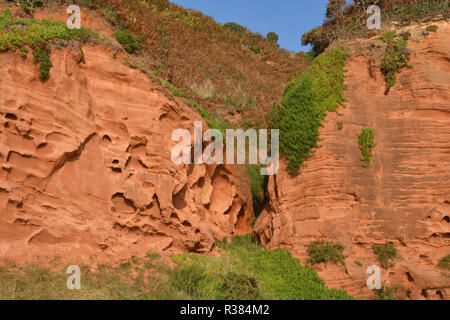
(85, 166)
(403, 196)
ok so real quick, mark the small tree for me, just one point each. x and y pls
(335, 9)
(272, 37)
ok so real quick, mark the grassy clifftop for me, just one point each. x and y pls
(225, 68)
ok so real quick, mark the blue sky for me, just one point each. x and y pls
(289, 18)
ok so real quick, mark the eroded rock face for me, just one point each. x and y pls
(85, 165)
(402, 197)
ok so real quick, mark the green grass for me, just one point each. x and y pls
(386, 254)
(258, 185)
(396, 58)
(19, 34)
(324, 251)
(387, 293)
(244, 270)
(249, 271)
(130, 42)
(304, 105)
(366, 141)
(153, 255)
(444, 263)
(36, 282)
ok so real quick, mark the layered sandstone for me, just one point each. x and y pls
(86, 170)
(403, 196)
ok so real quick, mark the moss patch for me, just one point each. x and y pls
(304, 105)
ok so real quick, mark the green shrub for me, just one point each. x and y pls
(387, 293)
(324, 251)
(41, 56)
(317, 38)
(358, 263)
(258, 185)
(340, 125)
(235, 27)
(396, 58)
(272, 37)
(125, 265)
(444, 263)
(366, 140)
(386, 254)
(239, 286)
(18, 34)
(304, 105)
(130, 42)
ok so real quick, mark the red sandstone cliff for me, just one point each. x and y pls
(402, 197)
(85, 165)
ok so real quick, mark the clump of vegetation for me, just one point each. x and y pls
(324, 251)
(388, 35)
(236, 27)
(386, 254)
(396, 58)
(130, 42)
(272, 37)
(347, 19)
(153, 255)
(387, 293)
(408, 12)
(258, 185)
(366, 140)
(18, 34)
(340, 125)
(249, 271)
(432, 28)
(304, 105)
(444, 263)
(41, 56)
(358, 263)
